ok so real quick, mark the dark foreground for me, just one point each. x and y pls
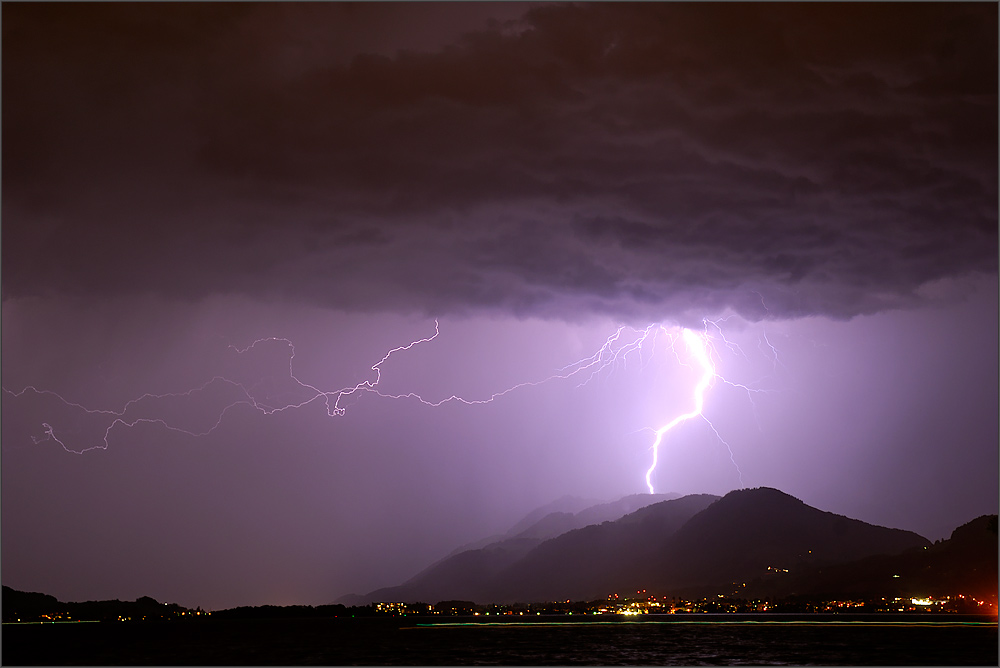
(551, 640)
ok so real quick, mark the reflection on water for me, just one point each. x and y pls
(695, 640)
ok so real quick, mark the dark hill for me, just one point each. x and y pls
(557, 523)
(694, 545)
(609, 512)
(32, 606)
(465, 574)
(578, 561)
(966, 563)
(589, 563)
(748, 531)
(28, 604)
(461, 577)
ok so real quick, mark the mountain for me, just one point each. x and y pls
(33, 606)
(481, 574)
(557, 523)
(590, 562)
(569, 505)
(535, 522)
(965, 563)
(758, 543)
(28, 604)
(469, 566)
(609, 512)
(749, 531)
(693, 545)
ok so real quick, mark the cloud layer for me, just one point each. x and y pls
(641, 161)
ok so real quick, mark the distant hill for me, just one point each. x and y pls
(535, 522)
(693, 545)
(469, 567)
(28, 604)
(565, 504)
(557, 523)
(965, 563)
(593, 561)
(25, 606)
(481, 574)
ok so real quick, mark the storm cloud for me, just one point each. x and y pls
(647, 161)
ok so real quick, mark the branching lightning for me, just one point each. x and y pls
(614, 349)
(696, 346)
(612, 354)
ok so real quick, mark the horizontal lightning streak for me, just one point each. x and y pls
(613, 353)
(615, 349)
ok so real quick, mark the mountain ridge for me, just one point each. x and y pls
(962, 568)
(489, 557)
(689, 544)
(565, 513)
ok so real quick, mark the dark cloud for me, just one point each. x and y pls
(639, 160)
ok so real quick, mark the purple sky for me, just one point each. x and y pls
(179, 178)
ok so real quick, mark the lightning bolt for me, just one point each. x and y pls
(612, 355)
(698, 349)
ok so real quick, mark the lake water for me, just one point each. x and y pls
(551, 640)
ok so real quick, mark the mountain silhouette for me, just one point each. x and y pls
(468, 571)
(33, 605)
(536, 522)
(593, 561)
(965, 563)
(565, 504)
(693, 545)
(751, 544)
(750, 531)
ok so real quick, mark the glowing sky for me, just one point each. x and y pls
(183, 178)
